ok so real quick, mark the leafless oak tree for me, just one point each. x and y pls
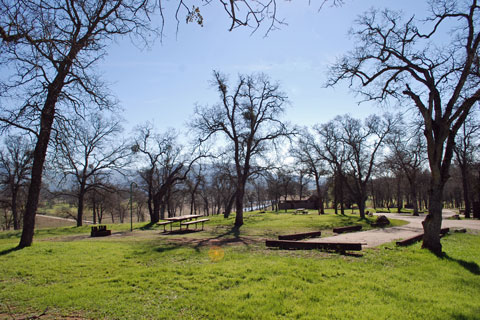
(408, 155)
(166, 164)
(15, 165)
(248, 118)
(352, 147)
(466, 148)
(87, 153)
(307, 152)
(419, 63)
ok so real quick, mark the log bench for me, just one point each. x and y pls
(418, 237)
(164, 224)
(195, 222)
(100, 231)
(347, 229)
(300, 236)
(307, 245)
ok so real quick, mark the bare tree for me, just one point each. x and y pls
(15, 165)
(435, 70)
(307, 152)
(286, 180)
(87, 153)
(274, 189)
(248, 117)
(49, 50)
(466, 147)
(408, 154)
(166, 164)
(335, 154)
(224, 184)
(352, 148)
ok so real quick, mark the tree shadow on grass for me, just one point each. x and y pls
(148, 226)
(167, 248)
(224, 237)
(468, 265)
(7, 251)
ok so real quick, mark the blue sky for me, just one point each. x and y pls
(162, 84)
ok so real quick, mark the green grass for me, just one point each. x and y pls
(149, 276)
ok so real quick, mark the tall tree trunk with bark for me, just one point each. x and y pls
(16, 224)
(39, 155)
(433, 222)
(239, 195)
(466, 190)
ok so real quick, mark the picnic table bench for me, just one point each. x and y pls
(181, 219)
(300, 236)
(347, 229)
(195, 222)
(165, 224)
(308, 245)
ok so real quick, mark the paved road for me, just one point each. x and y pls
(376, 237)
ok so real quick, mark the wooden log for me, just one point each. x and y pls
(300, 236)
(347, 229)
(304, 245)
(418, 237)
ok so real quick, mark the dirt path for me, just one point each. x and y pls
(376, 237)
(62, 219)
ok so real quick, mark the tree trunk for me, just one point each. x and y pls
(39, 154)
(466, 190)
(321, 210)
(413, 194)
(361, 206)
(81, 196)
(14, 209)
(239, 204)
(94, 207)
(399, 195)
(335, 193)
(340, 190)
(163, 207)
(433, 222)
(228, 207)
(155, 215)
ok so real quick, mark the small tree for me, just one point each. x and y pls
(15, 165)
(408, 155)
(307, 152)
(466, 148)
(352, 149)
(88, 151)
(248, 117)
(166, 164)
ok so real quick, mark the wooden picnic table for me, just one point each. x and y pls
(183, 218)
(301, 210)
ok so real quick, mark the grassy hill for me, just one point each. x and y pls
(221, 273)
